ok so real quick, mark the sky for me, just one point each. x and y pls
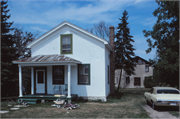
(39, 16)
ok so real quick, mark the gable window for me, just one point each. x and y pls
(137, 81)
(146, 68)
(66, 44)
(84, 74)
(58, 74)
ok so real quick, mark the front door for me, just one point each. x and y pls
(40, 81)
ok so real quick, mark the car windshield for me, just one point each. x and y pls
(166, 91)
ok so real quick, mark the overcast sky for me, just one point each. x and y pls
(42, 15)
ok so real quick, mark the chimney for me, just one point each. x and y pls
(112, 59)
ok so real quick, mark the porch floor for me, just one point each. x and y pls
(34, 98)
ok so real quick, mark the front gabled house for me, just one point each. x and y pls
(69, 56)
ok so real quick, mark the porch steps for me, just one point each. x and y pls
(33, 99)
(29, 101)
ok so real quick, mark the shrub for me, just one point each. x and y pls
(149, 82)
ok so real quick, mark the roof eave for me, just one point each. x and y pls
(51, 62)
(108, 46)
(61, 25)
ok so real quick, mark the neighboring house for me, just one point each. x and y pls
(143, 69)
(68, 55)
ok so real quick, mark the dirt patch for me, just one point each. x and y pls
(157, 114)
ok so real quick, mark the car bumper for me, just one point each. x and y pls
(173, 104)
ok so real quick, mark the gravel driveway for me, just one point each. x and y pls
(157, 114)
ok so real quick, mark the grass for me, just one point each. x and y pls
(122, 105)
(126, 104)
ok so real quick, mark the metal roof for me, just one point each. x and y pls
(47, 58)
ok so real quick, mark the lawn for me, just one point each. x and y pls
(123, 105)
(127, 104)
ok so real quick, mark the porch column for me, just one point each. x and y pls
(32, 80)
(20, 81)
(69, 81)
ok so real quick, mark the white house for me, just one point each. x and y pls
(142, 69)
(68, 55)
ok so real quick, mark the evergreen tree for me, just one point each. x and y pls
(8, 52)
(13, 47)
(165, 35)
(124, 50)
(22, 39)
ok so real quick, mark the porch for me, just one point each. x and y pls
(35, 98)
(48, 72)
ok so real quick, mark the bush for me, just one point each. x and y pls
(149, 82)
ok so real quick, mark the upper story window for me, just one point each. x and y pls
(66, 44)
(146, 68)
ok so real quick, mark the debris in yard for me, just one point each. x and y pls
(54, 105)
(14, 108)
(42, 101)
(9, 105)
(59, 101)
(69, 108)
(21, 105)
(3, 112)
(62, 104)
(67, 112)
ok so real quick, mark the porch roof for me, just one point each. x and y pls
(46, 59)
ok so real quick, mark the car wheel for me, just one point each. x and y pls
(154, 106)
(146, 101)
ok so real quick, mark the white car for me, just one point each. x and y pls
(163, 96)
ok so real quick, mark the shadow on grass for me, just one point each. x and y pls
(116, 95)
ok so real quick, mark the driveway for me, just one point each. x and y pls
(160, 113)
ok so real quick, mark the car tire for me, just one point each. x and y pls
(154, 106)
(146, 101)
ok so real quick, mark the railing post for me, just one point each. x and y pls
(32, 80)
(20, 81)
(69, 81)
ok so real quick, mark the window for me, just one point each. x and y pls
(58, 74)
(137, 81)
(108, 74)
(146, 68)
(127, 80)
(166, 91)
(84, 74)
(40, 76)
(66, 44)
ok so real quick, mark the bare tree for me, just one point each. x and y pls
(100, 29)
(90, 30)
